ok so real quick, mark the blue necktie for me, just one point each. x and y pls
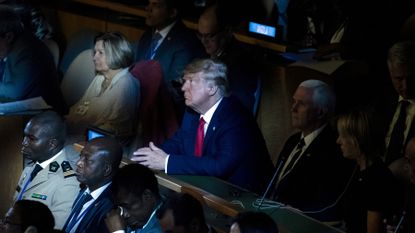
(2, 68)
(73, 217)
(153, 45)
(35, 171)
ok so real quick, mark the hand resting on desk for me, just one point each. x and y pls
(152, 157)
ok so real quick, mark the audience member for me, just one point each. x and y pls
(111, 100)
(51, 179)
(215, 33)
(401, 63)
(27, 68)
(372, 193)
(406, 217)
(170, 42)
(137, 198)
(98, 163)
(312, 174)
(253, 222)
(28, 216)
(182, 213)
(218, 136)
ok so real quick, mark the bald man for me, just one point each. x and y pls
(215, 33)
(98, 163)
(50, 179)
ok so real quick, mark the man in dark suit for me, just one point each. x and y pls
(98, 163)
(215, 33)
(218, 137)
(169, 42)
(401, 64)
(27, 68)
(312, 173)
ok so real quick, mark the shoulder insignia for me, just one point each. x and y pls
(67, 169)
(39, 196)
(18, 188)
(54, 166)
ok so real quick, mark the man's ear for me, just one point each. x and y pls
(147, 195)
(212, 89)
(31, 229)
(173, 13)
(53, 143)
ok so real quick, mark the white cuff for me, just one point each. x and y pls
(165, 163)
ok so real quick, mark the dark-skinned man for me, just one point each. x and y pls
(51, 179)
(98, 163)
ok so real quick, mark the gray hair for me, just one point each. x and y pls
(9, 21)
(213, 71)
(117, 49)
(402, 53)
(323, 95)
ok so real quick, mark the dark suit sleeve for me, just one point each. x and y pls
(221, 157)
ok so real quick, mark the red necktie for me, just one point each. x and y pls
(200, 136)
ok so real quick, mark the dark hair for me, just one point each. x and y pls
(185, 209)
(53, 126)
(135, 179)
(34, 213)
(255, 222)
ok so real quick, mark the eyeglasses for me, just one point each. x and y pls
(206, 36)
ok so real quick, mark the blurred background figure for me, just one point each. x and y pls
(27, 68)
(112, 99)
(170, 42)
(373, 193)
(29, 217)
(182, 213)
(215, 31)
(253, 222)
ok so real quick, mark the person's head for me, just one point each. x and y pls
(253, 222)
(98, 162)
(204, 83)
(182, 213)
(401, 64)
(161, 13)
(410, 157)
(28, 216)
(359, 138)
(44, 136)
(112, 51)
(135, 189)
(10, 27)
(313, 104)
(213, 31)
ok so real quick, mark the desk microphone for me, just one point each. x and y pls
(276, 173)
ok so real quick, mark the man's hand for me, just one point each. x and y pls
(114, 220)
(152, 157)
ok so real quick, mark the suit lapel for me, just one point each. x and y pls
(214, 123)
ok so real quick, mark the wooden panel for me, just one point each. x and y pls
(132, 34)
(11, 161)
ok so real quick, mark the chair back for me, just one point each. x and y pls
(157, 118)
(78, 77)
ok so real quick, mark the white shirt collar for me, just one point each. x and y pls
(97, 192)
(163, 32)
(309, 138)
(209, 113)
(44, 164)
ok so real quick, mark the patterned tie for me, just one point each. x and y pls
(2, 68)
(297, 153)
(153, 45)
(200, 136)
(395, 148)
(73, 217)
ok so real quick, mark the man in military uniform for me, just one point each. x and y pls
(50, 179)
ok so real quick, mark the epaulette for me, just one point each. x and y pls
(54, 166)
(67, 169)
